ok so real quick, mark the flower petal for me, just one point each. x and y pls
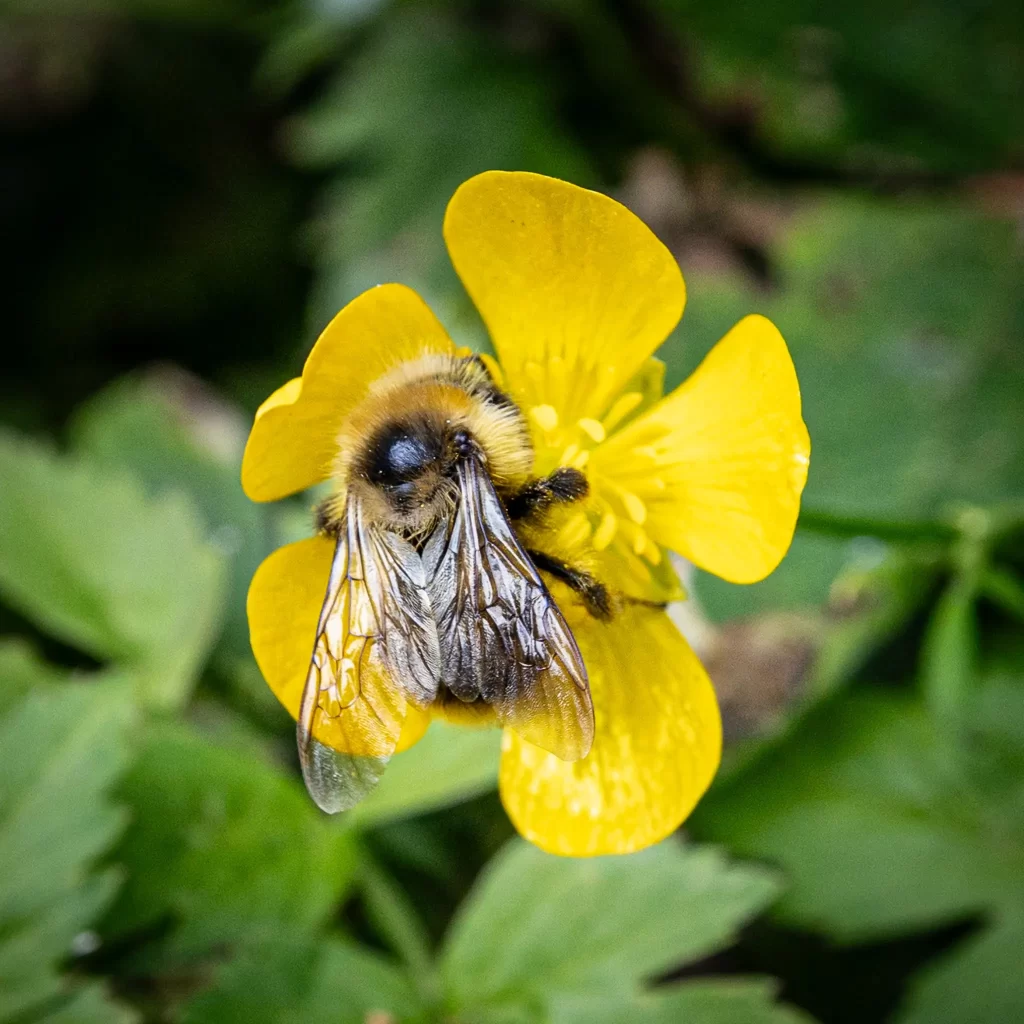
(284, 602)
(657, 745)
(575, 290)
(720, 464)
(293, 441)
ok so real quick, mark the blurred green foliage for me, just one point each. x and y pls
(191, 188)
(63, 747)
(120, 578)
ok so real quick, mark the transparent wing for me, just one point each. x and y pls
(396, 586)
(503, 639)
(376, 648)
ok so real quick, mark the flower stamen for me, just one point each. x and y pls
(574, 532)
(635, 508)
(605, 531)
(592, 428)
(545, 416)
(569, 454)
(621, 408)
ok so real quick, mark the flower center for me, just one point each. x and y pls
(616, 510)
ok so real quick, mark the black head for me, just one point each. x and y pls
(405, 459)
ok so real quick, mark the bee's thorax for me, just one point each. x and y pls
(401, 446)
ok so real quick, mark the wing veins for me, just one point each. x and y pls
(503, 638)
(367, 659)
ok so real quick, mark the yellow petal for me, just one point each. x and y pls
(293, 442)
(575, 290)
(730, 453)
(284, 602)
(647, 577)
(656, 747)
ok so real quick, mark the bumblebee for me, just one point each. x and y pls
(432, 596)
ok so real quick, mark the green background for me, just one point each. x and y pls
(189, 189)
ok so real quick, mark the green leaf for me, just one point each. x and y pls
(62, 747)
(903, 320)
(359, 983)
(85, 555)
(802, 580)
(89, 1004)
(392, 914)
(173, 437)
(884, 822)
(20, 670)
(980, 982)
(1005, 590)
(868, 606)
(536, 925)
(733, 1001)
(226, 845)
(862, 88)
(455, 107)
(950, 656)
(449, 765)
(284, 980)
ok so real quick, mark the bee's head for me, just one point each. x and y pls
(400, 456)
(400, 447)
(410, 461)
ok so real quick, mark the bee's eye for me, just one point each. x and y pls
(464, 444)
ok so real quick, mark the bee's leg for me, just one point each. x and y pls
(563, 485)
(596, 598)
(326, 518)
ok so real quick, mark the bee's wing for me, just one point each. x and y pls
(503, 639)
(376, 648)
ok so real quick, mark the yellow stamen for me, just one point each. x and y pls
(592, 429)
(574, 532)
(569, 454)
(535, 375)
(557, 371)
(605, 531)
(581, 460)
(620, 409)
(643, 574)
(646, 451)
(638, 569)
(640, 541)
(545, 416)
(635, 508)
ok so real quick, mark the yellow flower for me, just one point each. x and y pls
(576, 293)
